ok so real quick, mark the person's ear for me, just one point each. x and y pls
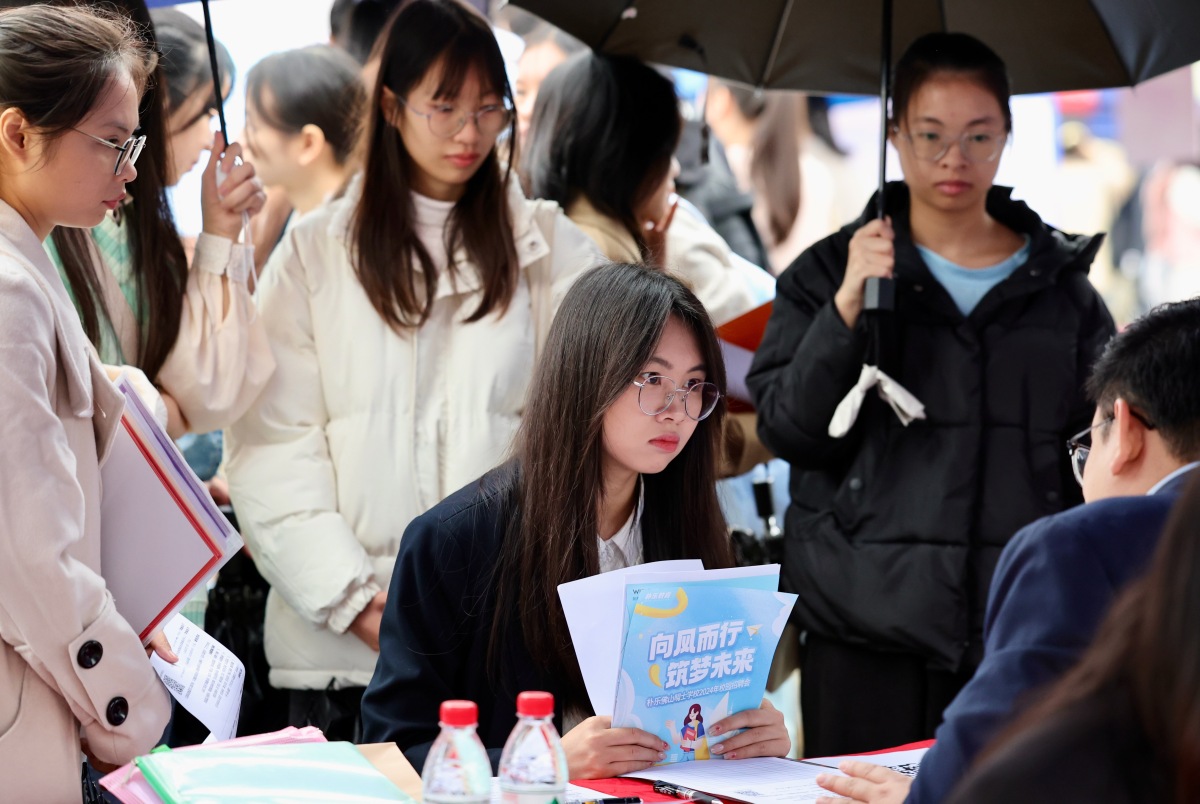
(390, 106)
(312, 144)
(16, 142)
(1130, 436)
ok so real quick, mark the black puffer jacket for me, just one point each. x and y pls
(893, 532)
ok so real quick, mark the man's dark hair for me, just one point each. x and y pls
(1154, 365)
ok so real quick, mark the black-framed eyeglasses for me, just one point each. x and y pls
(126, 153)
(446, 121)
(975, 146)
(656, 393)
(1079, 446)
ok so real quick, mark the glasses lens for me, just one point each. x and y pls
(135, 147)
(981, 147)
(1078, 459)
(701, 399)
(493, 119)
(446, 122)
(655, 394)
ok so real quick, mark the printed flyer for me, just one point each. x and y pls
(694, 653)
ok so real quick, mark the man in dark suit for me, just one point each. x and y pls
(1058, 576)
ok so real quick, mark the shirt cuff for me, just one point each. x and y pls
(344, 613)
(212, 253)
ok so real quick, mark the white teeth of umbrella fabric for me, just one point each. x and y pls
(907, 407)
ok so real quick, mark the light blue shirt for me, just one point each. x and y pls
(1181, 470)
(968, 285)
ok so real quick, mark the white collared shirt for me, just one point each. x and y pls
(624, 549)
(1181, 470)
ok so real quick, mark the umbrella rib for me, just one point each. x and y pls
(770, 65)
(613, 28)
(1129, 79)
(942, 13)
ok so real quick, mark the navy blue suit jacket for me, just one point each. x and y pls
(1053, 585)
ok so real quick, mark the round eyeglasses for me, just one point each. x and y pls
(446, 121)
(656, 393)
(976, 146)
(126, 153)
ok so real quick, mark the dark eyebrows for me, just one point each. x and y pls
(976, 122)
(668, 366)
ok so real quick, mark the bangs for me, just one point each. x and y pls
(472, 51)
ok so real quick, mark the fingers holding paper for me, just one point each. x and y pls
(865, 783)
(597, 751)
(158, 644)
(765, 734)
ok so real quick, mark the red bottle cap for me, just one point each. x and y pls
(535, 704)
(459, 713)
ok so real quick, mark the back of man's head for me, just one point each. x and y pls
(1154, 365)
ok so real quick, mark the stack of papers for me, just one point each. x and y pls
(130, 787)
(162, 537)
(670, 647)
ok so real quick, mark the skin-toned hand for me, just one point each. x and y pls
(241, 191)
(872, 253)
(595, 750)
(655, 234)
(765, 734)
(160, 645)
(867, 784)
(366, 624)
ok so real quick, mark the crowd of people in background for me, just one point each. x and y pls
(448, 340)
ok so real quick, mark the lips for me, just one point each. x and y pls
(116, 202)
(953, 187)
(668, 442)
(463, 160)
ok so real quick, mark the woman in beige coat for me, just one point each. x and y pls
(72, 671)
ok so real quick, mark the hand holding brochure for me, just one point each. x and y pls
(695, 646)
(162, 536)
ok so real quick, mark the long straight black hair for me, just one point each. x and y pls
(603, 336)
(393, 266)
(159, 263)
(605, 128)
(1150, 642)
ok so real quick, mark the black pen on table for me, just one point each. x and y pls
(668, 789)
(626, 800)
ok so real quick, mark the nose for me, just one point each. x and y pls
(955, 146)
(128, 172)
(675, 410)
(470, 131)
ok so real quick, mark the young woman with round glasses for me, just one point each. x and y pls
(73, 673)
(894, 531)
(614, 465)
(190, 328)
(406, 318)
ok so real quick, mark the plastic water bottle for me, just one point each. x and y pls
(457, 769)
(533, 767)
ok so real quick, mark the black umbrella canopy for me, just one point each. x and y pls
(834, 47)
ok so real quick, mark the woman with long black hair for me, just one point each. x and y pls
(406, 318)
(191, 328)
(615, 464)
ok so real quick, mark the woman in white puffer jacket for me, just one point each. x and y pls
(405, 319)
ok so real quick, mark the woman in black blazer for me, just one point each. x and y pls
(615, 464)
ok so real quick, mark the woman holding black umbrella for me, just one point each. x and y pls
(894, 530)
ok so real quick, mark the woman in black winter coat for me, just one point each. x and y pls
(893, 532)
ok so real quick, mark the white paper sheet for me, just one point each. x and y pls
(771, 780)
(595, 612)
(207, 680)
(762, 780)
(906, 762)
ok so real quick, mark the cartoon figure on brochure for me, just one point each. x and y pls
(691, 739)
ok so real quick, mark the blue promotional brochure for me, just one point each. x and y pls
(694, 652)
